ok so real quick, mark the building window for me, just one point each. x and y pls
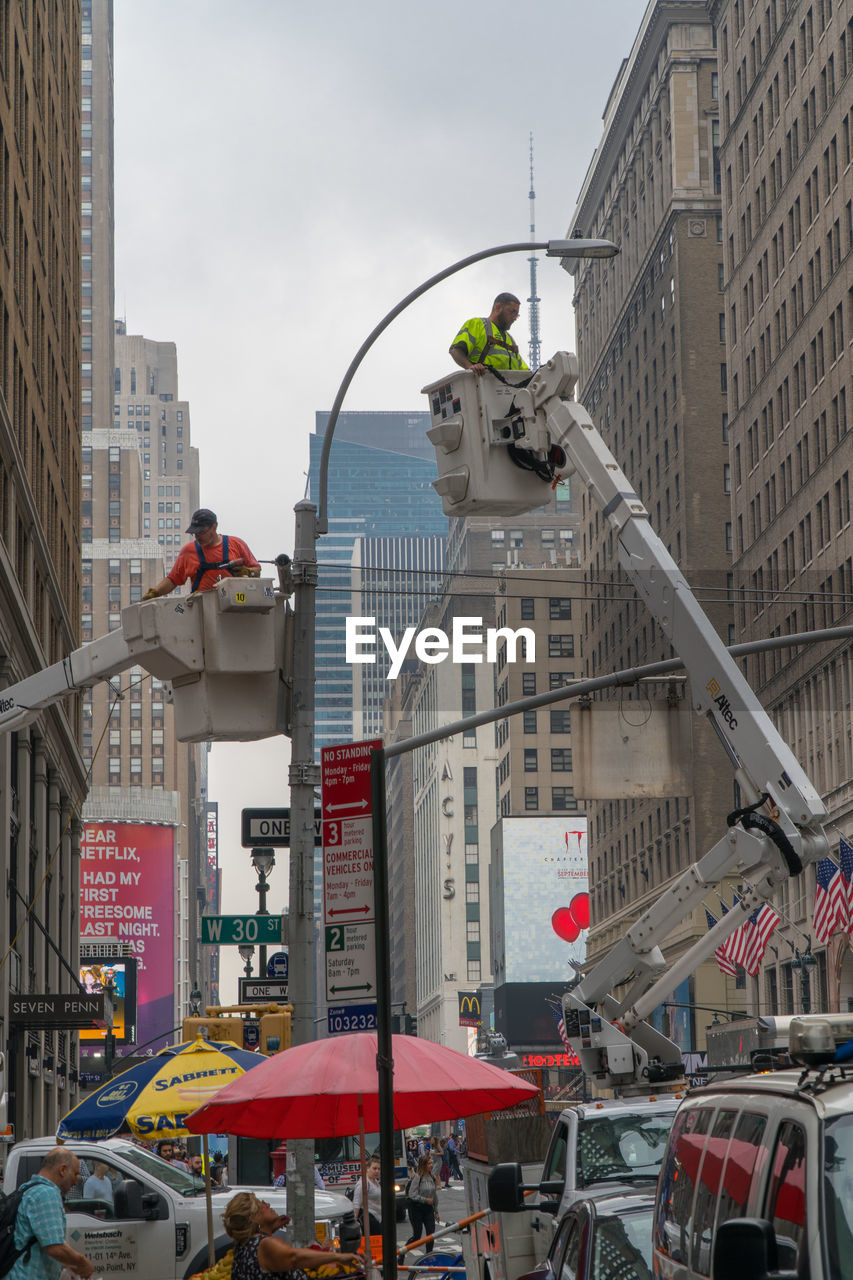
(528, 608)
(531, 760)
(529, 719)
(561, 646)
(528, 683)
(472, 891)
(563, 800)
(559, 679)
(531, 797)
(498, 537)
(516, 537)
(560, 608)
(561, 721)
(561, 759)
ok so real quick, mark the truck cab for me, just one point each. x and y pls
(602, 1147)
(134, 1214)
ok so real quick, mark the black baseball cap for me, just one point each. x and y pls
(201, 519)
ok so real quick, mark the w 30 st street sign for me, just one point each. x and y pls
(234, 930)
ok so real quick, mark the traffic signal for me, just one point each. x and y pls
(472, 429)
(214, 1029)
(275, 1032)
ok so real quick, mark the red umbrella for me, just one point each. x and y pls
(329, 1088)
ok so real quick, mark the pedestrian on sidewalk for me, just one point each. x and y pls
(422, 1202)
(374, 1199)
(453, 1158)
(444, 1165)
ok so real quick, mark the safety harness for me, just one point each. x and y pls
(204, 565)
(506, 342)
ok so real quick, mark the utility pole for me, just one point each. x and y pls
(304, 778)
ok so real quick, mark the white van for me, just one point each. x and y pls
(757, 1179)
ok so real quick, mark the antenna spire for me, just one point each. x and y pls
(533, 301)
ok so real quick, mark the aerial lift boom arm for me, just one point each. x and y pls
(779, 829)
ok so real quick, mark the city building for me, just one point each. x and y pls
(379, 486)
(653, 375)
(135, 513)
(42, 777)
(786, 147)
(454, 803)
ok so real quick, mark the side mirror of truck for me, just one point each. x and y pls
(127, 1199)
(505, 1188)
(746, 1249)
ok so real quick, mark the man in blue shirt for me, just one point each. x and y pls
(41, 1220)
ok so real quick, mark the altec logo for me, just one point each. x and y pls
(6, 704)
(464, 644)
(721, 702)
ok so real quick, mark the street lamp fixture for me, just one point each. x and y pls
(263, 860)
(246, 954)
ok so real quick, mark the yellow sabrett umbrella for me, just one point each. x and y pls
(154, 1098)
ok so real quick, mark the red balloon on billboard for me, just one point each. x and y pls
(564, 924)
(579, 908)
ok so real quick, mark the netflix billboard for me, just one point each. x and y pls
(127, 893)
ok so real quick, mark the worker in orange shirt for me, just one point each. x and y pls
(208, 559)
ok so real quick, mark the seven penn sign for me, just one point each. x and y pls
(80, 1010)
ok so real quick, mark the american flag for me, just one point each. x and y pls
(830, 906)
(557, 1011)
(722, 959)
(737, 943)
(845, 857)
(759, 927)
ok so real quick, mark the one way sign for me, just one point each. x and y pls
(271, 827)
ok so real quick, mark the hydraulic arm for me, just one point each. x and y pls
(546, 434)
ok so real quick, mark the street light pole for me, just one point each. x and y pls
(263, 860)
(311, 522)
(304, 778)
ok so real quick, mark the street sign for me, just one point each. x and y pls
(277, 965)
(251, 1033)
(233, 930)
(348, 897)
(261, 991)
(45, 1010)
(271, 827)
(351, 1017)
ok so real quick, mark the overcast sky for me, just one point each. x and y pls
(285, 174)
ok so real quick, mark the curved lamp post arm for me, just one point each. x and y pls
(553, 248)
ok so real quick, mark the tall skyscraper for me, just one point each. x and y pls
(140, 484)
(380, 475)
(651, 344)
(42, 780)
(785, 75)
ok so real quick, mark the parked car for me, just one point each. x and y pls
(605, 1237)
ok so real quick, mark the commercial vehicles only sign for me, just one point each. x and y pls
(348, 902)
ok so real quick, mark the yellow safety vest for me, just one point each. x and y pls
(486, 344)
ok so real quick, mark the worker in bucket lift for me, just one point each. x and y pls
(208, 559)
(486, 343)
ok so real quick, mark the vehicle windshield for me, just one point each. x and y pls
(838, 1188)
(622, 1246)
(161, 1170)
(621, 1147)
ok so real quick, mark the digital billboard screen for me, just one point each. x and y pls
(115, 975)
(127, 893)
